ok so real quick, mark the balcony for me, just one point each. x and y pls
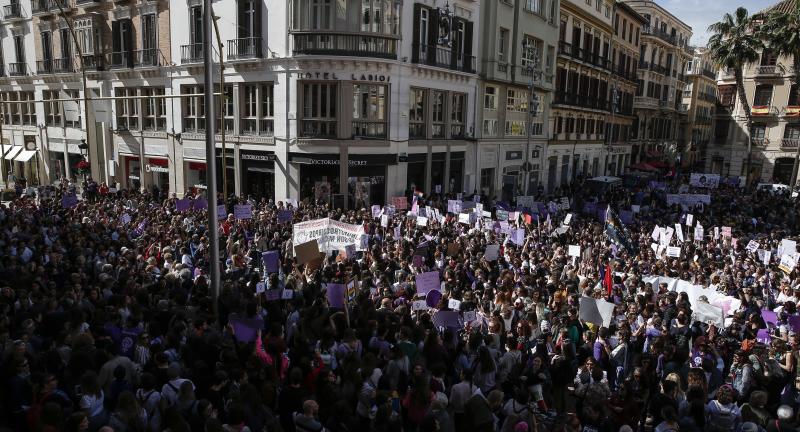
(40, 7)
(502, 67)
(790, 143)
(764, 111)
(122, 59)
(436, 56)
(683, 109)
(709, 74)
(193, 53)
(317, 129)
(144, 58)
(759, 142)
(12, 12)
(87, 3)
(585, 56)
(63, 65)
(564, 98)
(316, 43)
(661, 34)
(94, 62)
(767, 71)
(645, 102)
(369, 129)
(244, 48)
(44, 67)
(17, 69)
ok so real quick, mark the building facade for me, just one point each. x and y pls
(517, 57)
(664, 52)
(699, 102)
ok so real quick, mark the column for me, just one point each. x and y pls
(237, 170)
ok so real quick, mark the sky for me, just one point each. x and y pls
(699, 14)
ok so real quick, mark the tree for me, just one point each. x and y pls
(734, 45)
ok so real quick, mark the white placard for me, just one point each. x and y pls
(679, 232)
(689, 219)
(698, 233)
(574, 251)
(767, 256)
(492, 252)
(419, 305)
(636, 208)
(422, 221)
(454, 304)
(568, 219)
(674, 251)
(384, 221)
(656, 233)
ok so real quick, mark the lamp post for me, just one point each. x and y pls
(532, 68)
(84, 149)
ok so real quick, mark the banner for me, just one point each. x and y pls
(182, 205)
(243, 211)
(400, 203)
(688, 200)
(704, 180)
(330, 234)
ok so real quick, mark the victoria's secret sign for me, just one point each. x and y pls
(333, 76)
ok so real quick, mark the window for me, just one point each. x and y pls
(72, 115)
(155, 109)
(598, 4)
(458, 113)
(149, 44)
(489, 127)
(794, 95)
(52, 109)
(86, 34)
(758, 133)
(321, 13)
(502, 41)
(608, 11)
(624, 27)
(66, 49)
(763, 95)
(257, 110)
(416, 114)
(47, 47)
(792, 131)
(517, 100)
(534, 6)
(319, 110)
(437, 124)
(515, 128)
(194, 111)
(490, 98)
(530, 57)
(249, 24)
(227, 110)
(369, 110)
(122, 43)
(127, 110)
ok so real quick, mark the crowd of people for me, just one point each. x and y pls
(109, 320)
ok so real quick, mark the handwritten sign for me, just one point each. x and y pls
(400, 203)
(243, 211)
(270, 259)
(335, 295)
(427, 282)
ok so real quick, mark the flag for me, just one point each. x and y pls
(608, 279)
(616, 231)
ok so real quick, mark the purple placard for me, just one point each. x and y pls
(270, 259)
(285, 216)
(449, 319)
(246, 329)
(427, 281)
(433, 297)
(418, 261)
(69, 201)
(770, 317)
(763, 336)
(794, 323)
(626, 216)
(590, 208)
(273, 294)
(182, 205)
(243, 211)
(335, 295)
(222, 211)
(518, 236)
(200, 204)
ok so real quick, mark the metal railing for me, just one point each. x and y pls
(661, 34)
(369, 129)
(14, 10)
(121, 59)
(192, 53)
(317, 128)
(316, 43)
(94, 62)
(767, 70)
(63, 65)
(436, 56)
(18, 69)
(244, 48)
(709, 74)
(790, 143)
(759, 142)
(44, 67)
(417, 131)
(150, 57)
(86, 2)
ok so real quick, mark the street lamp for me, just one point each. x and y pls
(532, 67)
(84, 149)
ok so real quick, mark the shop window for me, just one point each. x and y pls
(319, 110)
(437, 125)
(457, 114)
(52, 108)
(369, 110)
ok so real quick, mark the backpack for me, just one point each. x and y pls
(722, 420)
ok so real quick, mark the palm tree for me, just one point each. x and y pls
(781, 32)
(733, 45)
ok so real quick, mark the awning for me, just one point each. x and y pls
(13, 152)
(644, 167)
(25, 155)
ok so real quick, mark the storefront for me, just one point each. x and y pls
(133, 171)
(158, 171)
(366, 177)
(258, 174)
(195, 176)
(416, 178)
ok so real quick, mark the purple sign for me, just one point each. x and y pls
(433, 298)
(770, 317)
(69, 201)
(221, 211)
(518, 236)
(335, 295)
(246, 329)
(427, 282)
(285, 216)
(200, 204)
(182, 205)
(794, 323)
(590, 208)
(270, 259)
(626, 216)
(243, 211)
(273, 294)
(448, 319)
(418, 261)
(763, 336)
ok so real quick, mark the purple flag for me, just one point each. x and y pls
(763, 336)
(243, 211)
(270, 259)
(182, 205)
(335, 295)
(246, 329)
(626, 216)
(794, 323)
(433, 297)
(770, 317)
(69, 201)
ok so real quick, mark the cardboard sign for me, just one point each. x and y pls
(698, 233)
(335, 295)
(270, 259)
(574, 251)
(246, 329)
(427, 282)
(679, 232)
(492, 252)
(464, 218)
(454, 304)
(787, 263)
(422, 221)
(306, 252)
(182, 205)
(726, 231)
(376, 211)
(400, 203)
(787, 247)
(243, 211)
(752, 246)
(689, 219)
(673, 251)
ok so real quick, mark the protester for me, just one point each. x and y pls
(639, 309)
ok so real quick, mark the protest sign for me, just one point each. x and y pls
(464, 218)
(501, 214)
(221, 211)
(763, 336)
(384, 221)
(454, 304)
(422, 221)
(400, 203)
(679, 232)
(595, 311)
(689, 219)
(270, 259)
(752, 246)
(567, 219)
(330, 234)
(767, 256)
(306, 252)
(69, 201)
(787, 263)
(427, 282)
(688, 200)
(419, 305)
(525, 201)
(335, 295)
(182, 205)
(706, 313)
(574, 251)
(698, 233)
(701, 180)
(492, 252)
(246, 329)
(285, 216)
(433, 298)
(656, 233)
(518, 236)
(673, 251)
(770, 317)
(447, 319)
(787, 247)
(376, 211)
(200, 204)
(726, 231)
(242, 211)
(261, 287)
(273, 294)
(125, 219)
(287, 294)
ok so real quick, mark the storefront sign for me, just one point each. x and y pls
(354, 160)
(133, 177)
(333, 76)
(154, 168)
(200, 186)
(268, 157)
(513, 155)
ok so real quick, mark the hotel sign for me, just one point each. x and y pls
(334, 76)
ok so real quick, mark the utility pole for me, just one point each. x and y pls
(533, 108)
(222, 109)
(211, 166)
